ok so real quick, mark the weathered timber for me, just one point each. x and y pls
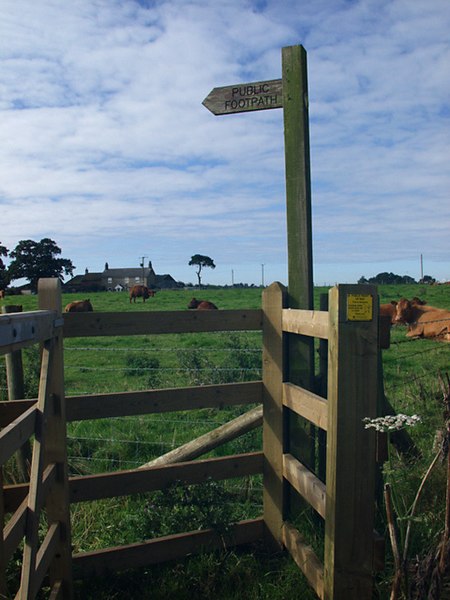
(98, 406)
(305, 483)
(57, 502)
(306, 404)
(16, 391)
(164, 549)
(300, 357)
(95, 487)
(14, 435)
(19, 330)
(145, 323)
(306, 322)
(149, 479)
(274, 497)
(15, 529)
(305, 558)
(217, 437)
(244, 97)
(350, 478)
(11, 410)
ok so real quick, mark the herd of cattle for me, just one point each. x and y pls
(137, 291)
(423, 321)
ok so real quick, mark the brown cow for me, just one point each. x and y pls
(140, 291)
(79, 306)
(423, 321)
(201, 304)
(388, 310)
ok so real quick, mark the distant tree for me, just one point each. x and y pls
(4, 276)
(428, 279)
(389, 278)
(33, 260)
(201, 261)
(362, 279)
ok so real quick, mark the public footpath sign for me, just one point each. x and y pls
(245, 97)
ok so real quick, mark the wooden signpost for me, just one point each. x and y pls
(260, 95)
(291, 94)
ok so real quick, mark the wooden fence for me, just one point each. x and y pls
(346, 502)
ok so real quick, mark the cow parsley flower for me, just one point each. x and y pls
(391, 422)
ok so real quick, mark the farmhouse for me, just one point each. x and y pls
(120, 279)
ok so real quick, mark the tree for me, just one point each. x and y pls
(33, 260)
(201, 261)
(4, 276)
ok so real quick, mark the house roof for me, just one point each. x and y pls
(133, 272)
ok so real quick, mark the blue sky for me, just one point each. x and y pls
(107, 149)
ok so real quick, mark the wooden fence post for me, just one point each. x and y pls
(57, 505)
(299, 236)
(273, 299)
(350, 477)
(16, 391)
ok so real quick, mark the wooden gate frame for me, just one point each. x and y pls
(347, 501)
(48, 486)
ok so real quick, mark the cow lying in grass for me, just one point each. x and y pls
(423, 321)
(389, 310)
(201, 304)
(79, 306)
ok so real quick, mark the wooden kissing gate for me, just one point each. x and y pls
(346, 502)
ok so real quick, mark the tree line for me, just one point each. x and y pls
(391, 278)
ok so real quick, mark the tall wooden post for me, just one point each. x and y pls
(274, 498)
(299, 232)
(350, 475)
(57, 504)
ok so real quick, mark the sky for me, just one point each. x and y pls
(107, 149)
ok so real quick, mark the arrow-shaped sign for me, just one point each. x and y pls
(244, 97)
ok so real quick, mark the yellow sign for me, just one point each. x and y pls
(359, 307)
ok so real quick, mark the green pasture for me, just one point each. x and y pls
(413, 371)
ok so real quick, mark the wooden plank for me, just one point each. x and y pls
(134, 481)
(155, 322)
(299, 236)
(46, 553)
(16, 391)
(100, 406)
(11, 409)
(350, 477)
(313, 323)
(213, 439)
(14, 435)
(28, 585)
(14, 531)
(306, 404)
(163, 549)
(57, 503)
(18, 330)
(137, 481)
(273, 422)
(305, 483)
(244, 97)
(57, 591)
(305, 558)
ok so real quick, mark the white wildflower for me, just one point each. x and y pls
(391, 422)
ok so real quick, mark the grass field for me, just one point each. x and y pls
(412, 369)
